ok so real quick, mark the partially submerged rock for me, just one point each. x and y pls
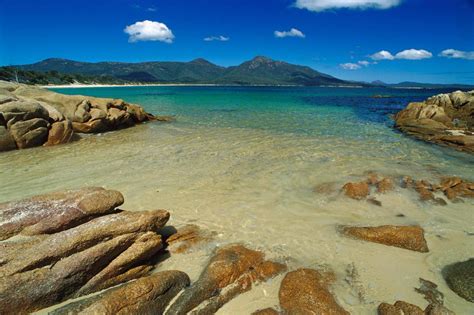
(356, 191)
(446, 119)
(306, 291)
(148, 295)
(187, 237)
(460, 278)
(232, 270)
(399, 308)
(407, 237)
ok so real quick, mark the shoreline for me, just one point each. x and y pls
(74, 86)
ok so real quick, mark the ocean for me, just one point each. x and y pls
(245, 161)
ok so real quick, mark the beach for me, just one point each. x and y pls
(246, 163)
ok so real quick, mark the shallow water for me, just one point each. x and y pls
(244, 162)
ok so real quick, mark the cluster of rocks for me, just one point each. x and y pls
(453, 188)
(66, 245)
(446, 119)
(32, 116)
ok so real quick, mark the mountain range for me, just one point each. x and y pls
(258, 71)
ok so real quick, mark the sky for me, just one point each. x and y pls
(363, 40)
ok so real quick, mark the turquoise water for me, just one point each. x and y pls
(244, 162)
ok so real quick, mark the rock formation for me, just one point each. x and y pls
(306, 291)
(232, 270)
(32, 116)
(408, 237)
(446, 119)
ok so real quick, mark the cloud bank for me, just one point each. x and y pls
(457, 54)
(322, 5)
(408, 54)
(216, 38)
(350, 66)
(291, 33)
(149, 31)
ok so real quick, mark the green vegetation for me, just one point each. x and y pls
(53, 77)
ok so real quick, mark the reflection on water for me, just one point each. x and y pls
(244, 162)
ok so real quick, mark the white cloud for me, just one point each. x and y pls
(151, 9)
(457, 54)
(322, 5)
(149, 31)
(218, 38)
(291, 33)
(414, 54)
(382, 55)
(364, 63)
(350, 66)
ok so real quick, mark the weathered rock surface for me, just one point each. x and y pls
(407, 237)
(60, 132)
(399, 308)
(306, 291)
(187, 237)
(231, 271)
(356, 190)
(86, 245)
(266, 311)
(53, 212)
(460, 278)
(148, 295)
(446, 119)
(33, 116)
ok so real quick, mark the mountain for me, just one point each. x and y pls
(418, 85)
(258, 71)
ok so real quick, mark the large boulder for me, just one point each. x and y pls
(60, 132)
(22, 110)
(80, 244)
(306, 291)
(148, 295)
(232, 270)
(407, 237)
(54, 212)
(436, 119)
(7, 142)
(29, 133)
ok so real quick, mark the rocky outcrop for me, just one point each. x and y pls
(446, 119)
(148, 295)
(407, 237)
(306, 291)
(232, 270)
(32, 116)
(54, 212)
(460, 278)
(400, 307)
(74, 243)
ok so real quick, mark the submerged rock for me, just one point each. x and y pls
(399, 308)
(407, 237)
(232, 270)
(356, 190)
(460, 278)
(187, 237)
(148, 295)
(306, 291)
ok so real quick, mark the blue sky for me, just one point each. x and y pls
(331, 36)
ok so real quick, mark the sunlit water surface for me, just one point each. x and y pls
(244, 162)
